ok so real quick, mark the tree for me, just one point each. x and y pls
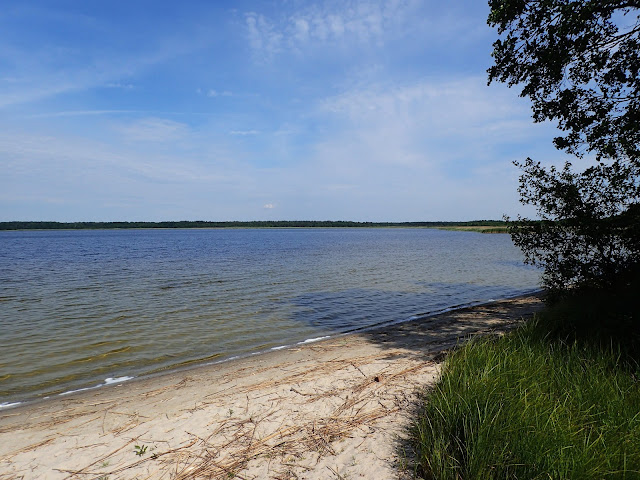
(578, 62)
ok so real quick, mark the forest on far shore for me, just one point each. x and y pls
(238, 224)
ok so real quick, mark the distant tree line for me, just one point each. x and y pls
(253, 224)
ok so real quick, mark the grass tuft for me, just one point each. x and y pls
(532, 404)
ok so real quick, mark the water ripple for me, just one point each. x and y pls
(82, 306)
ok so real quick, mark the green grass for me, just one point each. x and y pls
(537, 403)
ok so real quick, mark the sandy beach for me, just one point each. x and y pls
(332, 409)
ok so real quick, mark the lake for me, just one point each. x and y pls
(79, 309)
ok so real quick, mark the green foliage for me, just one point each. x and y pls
(589, 233)
(579, 64)
(531, 406)
(140, 450)
(599, 317)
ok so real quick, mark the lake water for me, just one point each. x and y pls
(85, 308)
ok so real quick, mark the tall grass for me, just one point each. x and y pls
(532, 405)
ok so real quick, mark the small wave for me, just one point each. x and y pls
(110, 380)
(78, 390)
(279, 348)
(312, 340)
(9, 404)
(217, 362)
(107, 381)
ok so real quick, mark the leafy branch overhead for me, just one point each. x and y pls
(579, 64)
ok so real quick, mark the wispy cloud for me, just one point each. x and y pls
(244, 132)
(264, 36)
(38, 82)
(83, 113)
(69, 159)
(154, 130)
(461, 112)
(361, 22)
(41, 63)
(217, 93)
(123, 86)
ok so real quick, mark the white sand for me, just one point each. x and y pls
(336, 409)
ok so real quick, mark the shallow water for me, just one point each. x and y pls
(81, 308)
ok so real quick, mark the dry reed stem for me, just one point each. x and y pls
(232, 444)
(293, 441)
(27, 448)
(241, 445)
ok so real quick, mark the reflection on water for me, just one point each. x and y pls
(78, 307)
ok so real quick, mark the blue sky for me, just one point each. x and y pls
(340, 110)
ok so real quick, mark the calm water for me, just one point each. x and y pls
(80, 307)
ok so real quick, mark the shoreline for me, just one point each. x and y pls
(112, 381)
(333, 404)
(18, 225)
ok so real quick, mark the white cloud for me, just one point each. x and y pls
(359, 21)
(154, 130)
(63, 159)
(264, 37)
(301, 29)
(423, 151)
(244, 132)
(216, 93)
(124, 86)
(433, 149)
(82, 113)
(463, 112)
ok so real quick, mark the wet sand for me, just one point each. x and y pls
(332, 409)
